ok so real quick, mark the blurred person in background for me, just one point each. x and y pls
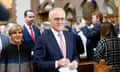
(79, 44)
(30, 31)
(108, 47)
(4, 41)
(45, 26)
(93, 34)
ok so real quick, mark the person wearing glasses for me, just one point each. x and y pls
(55, 48)
(16, 57)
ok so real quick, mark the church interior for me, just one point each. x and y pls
(76, 11)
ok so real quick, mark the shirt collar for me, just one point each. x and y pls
(27, 25)
(56, 32)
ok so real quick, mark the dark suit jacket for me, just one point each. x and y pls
(27, 38)
(47, 51)
(93, 36)
(79, 44)
(5, 40)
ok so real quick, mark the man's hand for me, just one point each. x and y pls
(63, 62)
(73, 64)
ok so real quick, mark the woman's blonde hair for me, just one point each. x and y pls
(14, 28)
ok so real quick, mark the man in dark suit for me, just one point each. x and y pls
(4, 41)
(93, 34)
(30, 31)
(49, 54)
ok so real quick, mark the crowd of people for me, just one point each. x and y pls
(28, 49)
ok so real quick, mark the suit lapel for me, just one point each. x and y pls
(54, 41)
(67, 39)
(26, 31)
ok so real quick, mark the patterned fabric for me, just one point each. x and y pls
(14, 59)
(109, 49)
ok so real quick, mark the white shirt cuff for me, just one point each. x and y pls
(56, 64)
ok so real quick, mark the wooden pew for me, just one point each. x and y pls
(102, 67)
(86, 67)
(94, 67)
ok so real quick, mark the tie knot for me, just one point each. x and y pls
(59, 34)
(30, 27)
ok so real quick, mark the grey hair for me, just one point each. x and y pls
(51, 12)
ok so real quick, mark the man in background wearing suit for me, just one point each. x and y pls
(30, 31)
(93, 34)
(4, 41)
(52, 53)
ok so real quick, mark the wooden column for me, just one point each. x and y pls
(10, 5)
(34, 5)
(12, 12)
(119, 12)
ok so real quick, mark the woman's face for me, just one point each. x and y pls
(16, 36)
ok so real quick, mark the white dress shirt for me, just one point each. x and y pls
(28, 28)
(55, 33)
(0, 45)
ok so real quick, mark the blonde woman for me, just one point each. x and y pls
(16, 57)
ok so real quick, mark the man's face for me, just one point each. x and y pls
(57, 20)
(29, 18)
(94, 19)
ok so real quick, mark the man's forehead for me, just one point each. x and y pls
(58, 15)
(30, 13)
